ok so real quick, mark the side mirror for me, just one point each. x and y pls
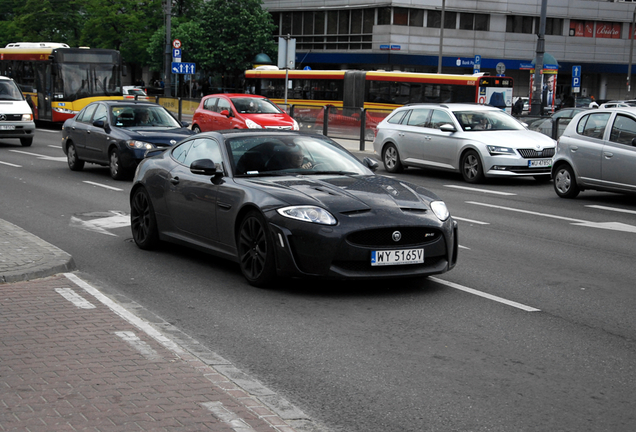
(372, 164)
(225, 112)
(447, 128)
(185, 124)
(154, 152)
(99, 123)
(205, 167)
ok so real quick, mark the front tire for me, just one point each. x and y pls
(256, 250)
(196, 129)
(143, 222)
(117, 171)
(565, 184)
(391, 159)
(472, 170)
(74, 163)
(26, 142)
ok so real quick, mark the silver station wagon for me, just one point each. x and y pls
(475, 140)
(597, 151)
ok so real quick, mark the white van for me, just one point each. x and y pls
(16, 116)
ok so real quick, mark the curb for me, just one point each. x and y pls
(24, 256)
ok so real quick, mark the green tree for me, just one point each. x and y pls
(234, 31)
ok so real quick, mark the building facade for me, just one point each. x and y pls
(405, 35)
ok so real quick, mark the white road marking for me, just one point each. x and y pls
(75, 298)
(10, 164)
(43, 157)
(102, 225)
(226, 416)
(485, 295)
(102, 185)
(133, 340)
(615, 226)
(55, 146)
(616, 209)
(480, 190)
(463, 247)
(48, 130)
(470, 221)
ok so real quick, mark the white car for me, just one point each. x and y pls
(16, 116)
(475, 140)
(132, 92)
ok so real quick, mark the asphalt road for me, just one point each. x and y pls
(533, 330)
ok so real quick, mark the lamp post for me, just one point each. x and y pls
(441, 39)
(536, 102)
(631, 52)
(168, 53)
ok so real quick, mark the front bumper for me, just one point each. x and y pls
(344, 251)
(16, 129)
(519, 165)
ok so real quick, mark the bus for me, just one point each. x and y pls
(377, 92)
(57, 80)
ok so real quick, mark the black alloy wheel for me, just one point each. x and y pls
(74, 163)
(143, 222)
(472, 170)
(256, 250)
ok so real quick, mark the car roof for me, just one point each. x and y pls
(127, 102)
(2, 77)
(231, 95)
(454, 106)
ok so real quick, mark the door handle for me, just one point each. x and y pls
(174, 180)
(609, 155)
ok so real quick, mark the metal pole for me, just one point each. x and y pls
(538, 64)
(441, 39)
(168, 54)
(631, 52)
(287, 38)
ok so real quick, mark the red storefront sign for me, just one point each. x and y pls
(608, 30)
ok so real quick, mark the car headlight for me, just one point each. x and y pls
(440, 210)
(496, 150)
(252, 124)
(295, 125)
(27, 117)
(139, 145)
(311, 214)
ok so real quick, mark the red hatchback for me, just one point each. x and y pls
(240, 111)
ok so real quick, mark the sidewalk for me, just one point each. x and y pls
(72, 358)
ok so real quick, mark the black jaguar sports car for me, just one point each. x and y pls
(289, 204)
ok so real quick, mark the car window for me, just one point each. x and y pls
(418, 117)
(223, 105)
(397, 117)
(180, 152)
(255, 106)
(439, 118)
(86, 114)
(623, 130)
(101, 113)
(10, 91)
(203, 148)
(593, 125)
(210, 103)
(486, 120)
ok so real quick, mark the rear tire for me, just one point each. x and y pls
(196, 129)
(74, 163)
(143, 222)
(565, 184)
(256, 250)
(391, 159)
(26, 142)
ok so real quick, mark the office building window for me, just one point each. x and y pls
(435, 17)
(416, 18)
(554, 26)
(519, 24)
(471, 21)
(400, 16)
(384, 16)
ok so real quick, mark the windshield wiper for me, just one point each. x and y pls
(331, 172)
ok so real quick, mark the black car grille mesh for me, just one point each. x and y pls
(385, 237)
(11, 117)
(531, 153)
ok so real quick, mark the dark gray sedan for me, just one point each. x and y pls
(287, 203)
(118, 134)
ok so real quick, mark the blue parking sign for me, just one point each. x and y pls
(576, 79)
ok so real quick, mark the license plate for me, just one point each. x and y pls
(397, 257)
(5, 127)
(540, 163)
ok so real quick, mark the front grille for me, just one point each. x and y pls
(531, 153)
(278, 127)
(384, 237)
(11, 117)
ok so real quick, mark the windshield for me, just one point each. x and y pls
(81, 80)
(250, 105)
(495, 120)
(139, 117)
(9, 91)
(291, 154)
